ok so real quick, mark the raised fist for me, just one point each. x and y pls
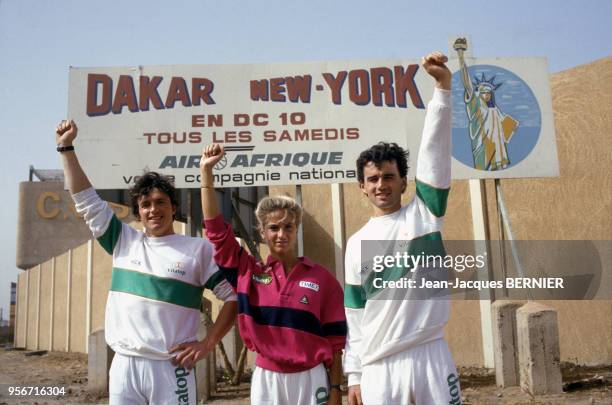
(211, 155)
(434, 65)
(65, 132)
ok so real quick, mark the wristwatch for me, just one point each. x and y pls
(61, 149)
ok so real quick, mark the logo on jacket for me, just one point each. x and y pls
(177, 268)
(309, 284)
(263, 278)
(304, 300)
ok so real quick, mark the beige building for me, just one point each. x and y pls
(62, 299)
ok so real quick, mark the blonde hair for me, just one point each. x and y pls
(281, 202)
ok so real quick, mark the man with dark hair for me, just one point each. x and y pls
(153, 306)
(145, 184)
(395, 351)
(383, 152)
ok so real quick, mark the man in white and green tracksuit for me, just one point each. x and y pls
(153, 306)
(395, 351)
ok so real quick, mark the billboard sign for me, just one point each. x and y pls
(300, 123)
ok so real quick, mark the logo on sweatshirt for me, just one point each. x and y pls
(177, 269)
(304, 300)
(263, 278)
(309, 284)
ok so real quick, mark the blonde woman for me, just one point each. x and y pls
(290, 309)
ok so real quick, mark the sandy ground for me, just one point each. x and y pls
(70, 370)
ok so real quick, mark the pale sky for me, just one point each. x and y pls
(39, 39)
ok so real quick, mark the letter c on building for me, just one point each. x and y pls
(40, 205)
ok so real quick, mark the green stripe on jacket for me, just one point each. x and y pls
(354, 296)
(157, 288)
(434, 198)
(111, 236)
(428, 244)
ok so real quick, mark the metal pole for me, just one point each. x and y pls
(508, 228)
(300, 231)
(337, 192)
(480, 223)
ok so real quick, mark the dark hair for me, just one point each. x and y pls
(145, 184)
(383, 152)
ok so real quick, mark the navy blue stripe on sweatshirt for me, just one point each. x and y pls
(283, 317)
(335, 328)
(230, 274)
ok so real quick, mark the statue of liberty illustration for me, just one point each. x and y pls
(490, 129)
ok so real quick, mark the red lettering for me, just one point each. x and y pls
(352, 133)
(269, 136)
(148, 92)
(260, 120)
(195, 137)
(284, 136)
(404, 81)
(149, 136)
(359, 86)
(277, 89)
(200, 91)
(259, 90)
(94, 81)
(335, 85)
(244, 136)
(215, 120)
(241, 120)
(382, 83)
(197, 120)
(177, 92)
(298, 87)
(125, 95)
(164, 137)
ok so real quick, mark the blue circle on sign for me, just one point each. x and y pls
(496, 119)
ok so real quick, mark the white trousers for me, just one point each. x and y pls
(140, 381)
(423, 375)
(308, 387)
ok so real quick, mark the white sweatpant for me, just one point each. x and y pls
(308, 387)
(140, 381)
(422, 375)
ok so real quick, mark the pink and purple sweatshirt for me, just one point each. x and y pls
(292, 322)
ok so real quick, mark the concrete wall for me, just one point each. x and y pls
(66, 304)
(22, 310)
(60, 302)
(32, 308)
(46, 293)
(78, 300)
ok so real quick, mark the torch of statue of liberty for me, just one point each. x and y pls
(490, 129)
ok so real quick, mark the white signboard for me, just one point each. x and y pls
(302, 123)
